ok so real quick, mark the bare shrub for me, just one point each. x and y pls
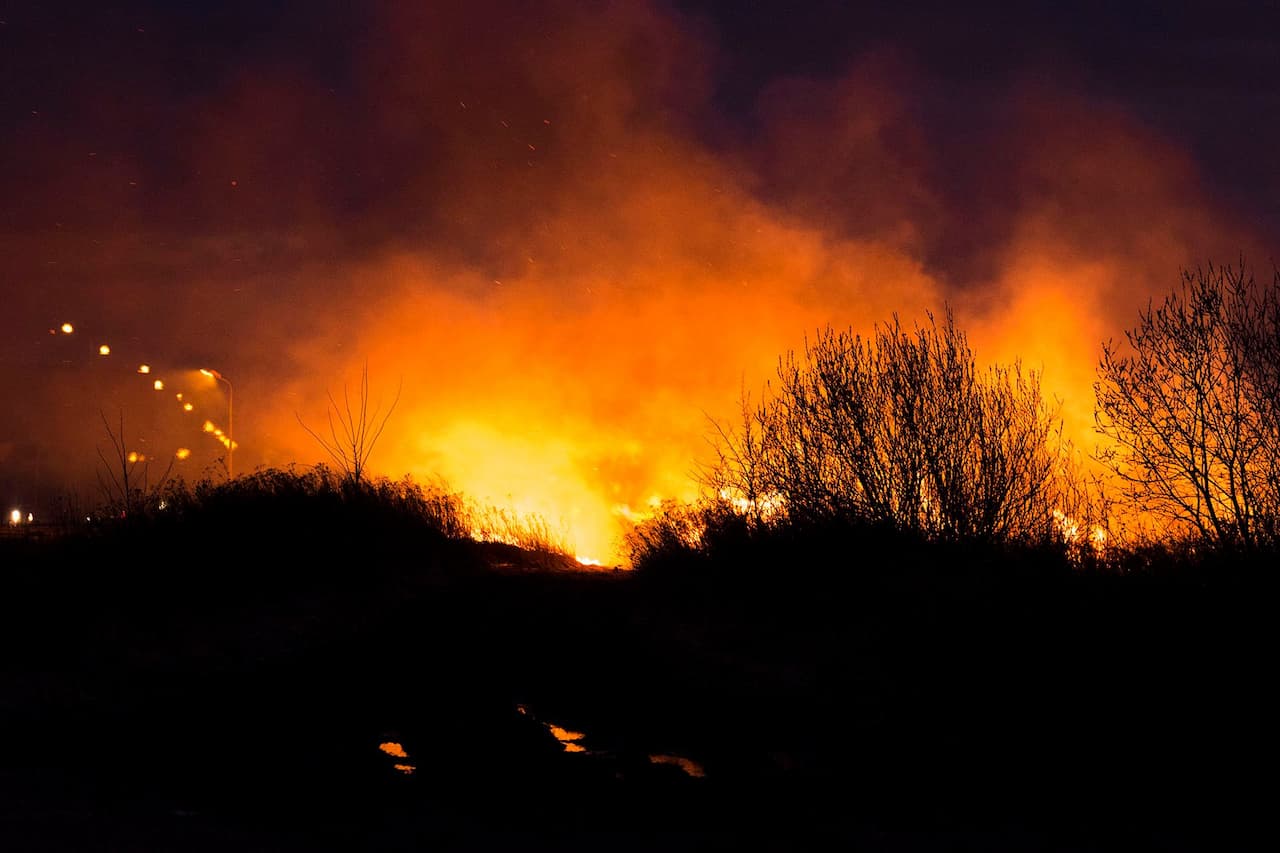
(902, 430)
(353, 431)
(124, 477)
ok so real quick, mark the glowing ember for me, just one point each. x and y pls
(393, 749)
(104, 350)
(690, 767)
(67, 328)
(568, 738)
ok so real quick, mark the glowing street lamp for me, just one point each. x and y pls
(231, 443)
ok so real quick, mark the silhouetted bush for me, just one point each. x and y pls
(902, 429)
(877, 454)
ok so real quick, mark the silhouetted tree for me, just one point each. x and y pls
(352, 438)
(124, 477)
(901, 429)
(1192, 404)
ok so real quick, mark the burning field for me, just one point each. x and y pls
(563, 242)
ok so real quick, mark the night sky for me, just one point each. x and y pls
(572, 232)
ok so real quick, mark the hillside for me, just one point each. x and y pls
(164, 688)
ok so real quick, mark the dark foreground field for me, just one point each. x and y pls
(205, 686)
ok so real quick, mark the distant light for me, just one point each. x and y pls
(208, 426)
(67, 328)
(179, 395)
(207, 372)
(186, 407)
(104, 350)
(31, 516)
(183, 453)
(158, 385)
(135, 456)
(15, 518)
(162, 505)
(144, 368)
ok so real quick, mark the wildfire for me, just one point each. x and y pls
(1072, 532)
(395, 750)
(594, 282)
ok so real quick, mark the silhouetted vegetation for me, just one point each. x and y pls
(898, 437)
(902, 429)
(1193, 406)
(352, 438)
(124, 476)
(835, 680)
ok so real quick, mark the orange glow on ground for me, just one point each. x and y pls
(393, 749)
(690, 767)
(565, 735)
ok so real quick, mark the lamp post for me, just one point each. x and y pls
(231, 433)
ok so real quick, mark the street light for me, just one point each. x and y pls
(231, 441)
